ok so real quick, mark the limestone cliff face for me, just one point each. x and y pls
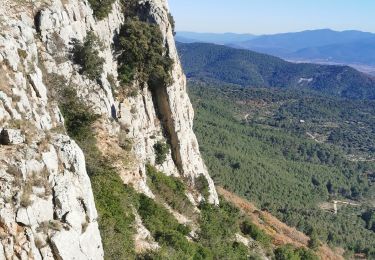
(47, 210)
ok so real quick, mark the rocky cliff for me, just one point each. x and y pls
(47, 208)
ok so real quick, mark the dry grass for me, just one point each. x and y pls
(124, 142)
(25, 200)
(281, 233)
(40, 179)
(45, 226)
(39, 243)
(4, 81)
(17, 175)
(122, 160)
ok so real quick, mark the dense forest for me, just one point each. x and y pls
(217, 63)
(292, 153)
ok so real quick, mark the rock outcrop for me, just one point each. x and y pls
(47, 208)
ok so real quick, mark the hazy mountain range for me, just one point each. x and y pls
(353, 48)
(217, 38)
(219, 63)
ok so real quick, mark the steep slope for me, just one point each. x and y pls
(97, 152)
(293, 153)
(47, 204)
(246, 68)
(281, 233)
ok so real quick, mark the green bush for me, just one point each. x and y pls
(288, 252)
(78, 117)
(101, 8)
(142, 55)
(172, 23)
(161, 151)
(248, 228)
(165, 229)
(201, 184)
(170, 190)
(218, 228)
(157, 218)
(86, 55)
(314, 242)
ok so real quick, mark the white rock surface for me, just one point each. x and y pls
(45, 190)
(11, 137)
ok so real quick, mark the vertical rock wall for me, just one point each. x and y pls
(47, 209)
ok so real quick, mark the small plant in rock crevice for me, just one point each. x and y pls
(161, 152)
(202, 186)
(172, 23)
(86, 55)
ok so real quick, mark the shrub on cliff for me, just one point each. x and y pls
(248, 228)
(143, 57)
(101, 8)
(202, 186)
(86, 55)
(172, 23)
(161, 151)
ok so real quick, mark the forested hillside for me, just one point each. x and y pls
(215, 63)
(321, 46)
(293, 153)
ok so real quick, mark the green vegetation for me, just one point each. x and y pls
(254, 144)
(369, 217)
(221, 64)
(288, 252)
(201, 184)
(215, 240)
(115, 203)
(172, 23)
(101, 8)
(161, 152)
(314, 242)
(114, 200)
(170, 190)
(86, 55)
(218, 226)
(166, 231)
(248, 228)
(143, 57)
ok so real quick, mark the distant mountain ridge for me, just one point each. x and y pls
(324, 45)
(247, 68)
(217, 38)
(361, 51)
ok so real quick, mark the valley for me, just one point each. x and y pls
(350, 47)
(108, 150)
(261, 143)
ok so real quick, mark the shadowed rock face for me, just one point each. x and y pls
(11, 136)
(47, 209)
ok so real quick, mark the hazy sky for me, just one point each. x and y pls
(272, 16)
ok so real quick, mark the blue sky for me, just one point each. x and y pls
(272, 16)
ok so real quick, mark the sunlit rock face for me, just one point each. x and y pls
(47, 208)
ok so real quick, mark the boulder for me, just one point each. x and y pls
(11, 137)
